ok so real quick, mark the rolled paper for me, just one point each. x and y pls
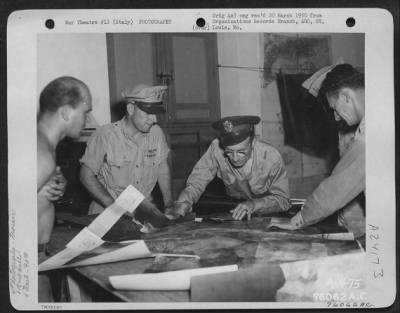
(167, 281)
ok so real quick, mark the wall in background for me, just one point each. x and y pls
(130, 64)
(240, 87)
(83, 56)
(350, 47)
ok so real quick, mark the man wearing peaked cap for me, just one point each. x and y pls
(252, 171)
(235, 129)
(130, 151)
(148, 99)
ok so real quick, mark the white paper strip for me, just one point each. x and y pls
(129, 199)
(134, 251)
(58, 259)
(89, 238)
(85, 240)
(173, 255)
(103, 223)
(334, 236)
(175, 280)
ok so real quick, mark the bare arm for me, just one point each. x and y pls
(164, 181)
(96, 190)
(46, 168)
(46, 164)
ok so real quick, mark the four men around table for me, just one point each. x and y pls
(134, 151)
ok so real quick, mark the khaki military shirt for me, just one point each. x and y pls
(118, 160)
(341, 190)
(267, 179)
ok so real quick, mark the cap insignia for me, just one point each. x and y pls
(228, 127)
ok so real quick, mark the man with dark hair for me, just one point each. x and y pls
(252, 171)
(64, 105)
(130, 151)
(343, 190)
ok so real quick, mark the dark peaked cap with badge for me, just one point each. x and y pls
(235, 129)
(147, 98)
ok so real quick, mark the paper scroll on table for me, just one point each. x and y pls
(168, 281)
(89, 238)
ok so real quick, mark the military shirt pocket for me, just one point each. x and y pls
(119, 168)
(151, 165)
(117, 160)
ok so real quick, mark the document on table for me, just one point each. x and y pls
(89, 238)
(127, 201)
(85, 240)
(108, 252)
(112, 252)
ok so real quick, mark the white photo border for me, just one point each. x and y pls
(376, 24)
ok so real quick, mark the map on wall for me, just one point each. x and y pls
(294, 54)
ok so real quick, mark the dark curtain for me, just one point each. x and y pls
(308, 123)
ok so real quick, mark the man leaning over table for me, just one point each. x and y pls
(343, 190)
(252, 171)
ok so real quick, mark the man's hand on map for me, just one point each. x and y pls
(177, 210)
(244, 209)
(287, 223)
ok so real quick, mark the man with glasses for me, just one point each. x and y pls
(252, 171)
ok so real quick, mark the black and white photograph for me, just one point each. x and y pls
(216, 159)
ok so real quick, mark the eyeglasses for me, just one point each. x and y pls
(239, 153)
(233, 153)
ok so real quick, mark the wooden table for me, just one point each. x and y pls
(246, 243)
